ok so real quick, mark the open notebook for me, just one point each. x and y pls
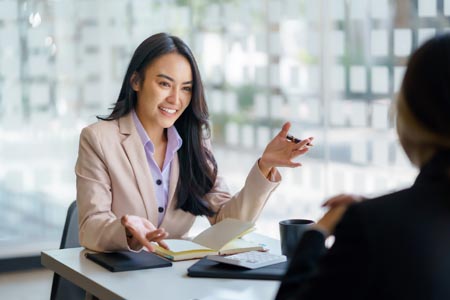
(222, 238)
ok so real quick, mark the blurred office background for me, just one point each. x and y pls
(333, 68)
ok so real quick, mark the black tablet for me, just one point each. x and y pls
(212, 269)
(128, 261)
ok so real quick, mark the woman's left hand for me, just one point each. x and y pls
(280, 151)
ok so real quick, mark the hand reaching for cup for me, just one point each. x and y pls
(141, 232)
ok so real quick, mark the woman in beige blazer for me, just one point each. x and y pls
(146, 171)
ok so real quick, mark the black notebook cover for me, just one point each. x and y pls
(209, 268)
(128, 261)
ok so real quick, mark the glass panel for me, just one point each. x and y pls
(402, 42)
(427, 8)
(379, 42)
(447, 7)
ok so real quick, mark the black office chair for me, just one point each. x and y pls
(62, 288)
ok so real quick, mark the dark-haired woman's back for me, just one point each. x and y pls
(396, 246)
(393, 247)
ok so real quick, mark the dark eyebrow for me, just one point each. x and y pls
(171, 79)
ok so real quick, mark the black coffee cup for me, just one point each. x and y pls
(291, 232)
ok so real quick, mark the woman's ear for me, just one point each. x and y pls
(135, 81)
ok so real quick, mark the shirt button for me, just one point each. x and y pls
(158, 182)
(160, 209)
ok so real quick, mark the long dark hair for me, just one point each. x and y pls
(198, 168)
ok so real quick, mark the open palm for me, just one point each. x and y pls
(143, 232)
(280, 152)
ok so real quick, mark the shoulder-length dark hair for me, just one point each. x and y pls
(426, 85)
(423, 105)
(198, 168)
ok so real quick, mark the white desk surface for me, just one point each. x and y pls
(162, 283)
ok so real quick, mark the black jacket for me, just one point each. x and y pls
(393, 247)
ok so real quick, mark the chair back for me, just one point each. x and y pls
(70, 237)
(63, 289)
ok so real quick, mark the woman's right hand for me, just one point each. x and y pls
(141, 232)
(280, 152)
(337, 206)
(342, 199)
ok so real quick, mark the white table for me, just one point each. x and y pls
(157, 284)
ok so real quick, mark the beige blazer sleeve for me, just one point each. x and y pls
(248, 203)
(99, 227)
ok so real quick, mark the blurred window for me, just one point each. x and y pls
(332, 68)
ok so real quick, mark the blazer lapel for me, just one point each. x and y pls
(173, 182)
(136, 155)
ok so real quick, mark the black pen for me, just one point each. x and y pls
(295, 140)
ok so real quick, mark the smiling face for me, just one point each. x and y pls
(164, 93)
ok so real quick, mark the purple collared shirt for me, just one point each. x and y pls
(160, 177)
